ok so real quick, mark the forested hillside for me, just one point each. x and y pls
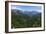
(26, 19)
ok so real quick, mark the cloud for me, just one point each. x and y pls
(39, 10)
(16, 8)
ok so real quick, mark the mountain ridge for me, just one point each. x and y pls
(16, 11)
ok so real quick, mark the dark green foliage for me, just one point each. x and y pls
(24, 21)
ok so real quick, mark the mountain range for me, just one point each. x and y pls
(16, 11)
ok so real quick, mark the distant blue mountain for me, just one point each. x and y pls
(29, 13)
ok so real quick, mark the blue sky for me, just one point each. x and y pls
(27, 8)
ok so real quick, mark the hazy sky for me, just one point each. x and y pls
(27, 8)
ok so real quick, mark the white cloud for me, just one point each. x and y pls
(39, 10)
(16, 8)
(13, 8)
